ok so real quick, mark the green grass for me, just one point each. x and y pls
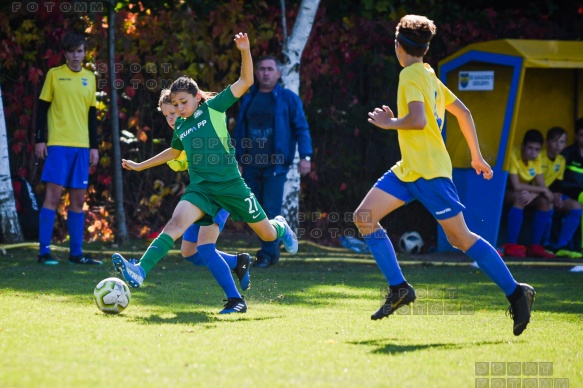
(308, 325)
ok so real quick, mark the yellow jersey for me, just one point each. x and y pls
(423, 151)
(526, 172)
(71, 94)
(552, 169)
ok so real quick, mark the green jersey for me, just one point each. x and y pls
(206, 141)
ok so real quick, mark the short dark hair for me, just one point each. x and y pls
(71, 40)
(270, 57)
(533, 136)
(414, 33)
(555, 132)
(578, 124)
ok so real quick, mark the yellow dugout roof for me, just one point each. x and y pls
(555, 54)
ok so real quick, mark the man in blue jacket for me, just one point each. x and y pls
(270, 124)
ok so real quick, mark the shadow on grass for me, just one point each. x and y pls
(316, 284)
(199, 317)
(388, 345)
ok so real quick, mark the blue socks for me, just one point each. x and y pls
(75, 226)
(492, 265)
(219, 269)
(271, 247)
(569, 227)
(46, 220)
(231, 260)
(196, 259)
(384, 254)
(540, 222)
(515, 218)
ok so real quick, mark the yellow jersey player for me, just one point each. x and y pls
(425, 174)
(553, 168)
(526, 188)
(68, 103)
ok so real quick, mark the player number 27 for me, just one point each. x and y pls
(253, 207)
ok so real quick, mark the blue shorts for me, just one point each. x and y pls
(438, 195)
(191, 233)
(67, 167)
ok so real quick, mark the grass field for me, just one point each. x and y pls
(308, 325)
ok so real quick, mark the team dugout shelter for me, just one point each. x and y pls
(510, 86)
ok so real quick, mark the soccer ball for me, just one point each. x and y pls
(112, 295)
(411, 242)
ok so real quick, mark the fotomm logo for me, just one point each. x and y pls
(517, 375)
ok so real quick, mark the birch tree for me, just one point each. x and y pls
(293, 47)
(11, 231)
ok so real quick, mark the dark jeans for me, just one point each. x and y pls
(268, 189)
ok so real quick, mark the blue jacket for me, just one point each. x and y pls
(291, 127)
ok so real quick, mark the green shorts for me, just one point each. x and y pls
(234, 196)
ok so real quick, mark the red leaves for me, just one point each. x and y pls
(16, 148)
(20, 135)
(130, 91)
(24, 120)
(33, 75)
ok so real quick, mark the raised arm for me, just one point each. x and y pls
(468, 128)
(163, 157)
(246, 79)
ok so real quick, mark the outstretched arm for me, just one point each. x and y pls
(246, 79)
(468, 128)
(163, 157)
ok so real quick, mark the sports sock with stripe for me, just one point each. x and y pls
(156, 251)
(75, 227)
(46, 220)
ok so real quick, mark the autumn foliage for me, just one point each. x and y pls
(348, 68)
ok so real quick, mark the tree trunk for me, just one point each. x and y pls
(121, 230)
(11, 231)
(290, 77)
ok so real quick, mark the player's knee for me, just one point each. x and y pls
(362, 218)
(461, 241)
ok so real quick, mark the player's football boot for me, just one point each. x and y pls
(132, 273)
(242, 270)
(290, 240)
(534, 250)
(84, 259)
(395, 299)
(234, 305)
(520, 309)
(47, 259)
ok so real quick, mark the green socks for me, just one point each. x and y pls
(279, 228)
(156, 251)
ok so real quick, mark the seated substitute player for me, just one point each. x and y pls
(425, 173)
(553, 167)
(239, 263)
(526, 188)
(215, 181)
(572, 183)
